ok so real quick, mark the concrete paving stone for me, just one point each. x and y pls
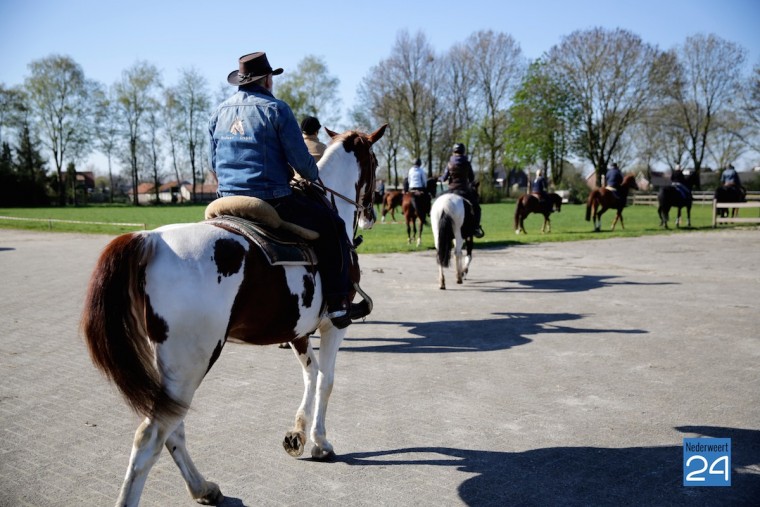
(557, 374)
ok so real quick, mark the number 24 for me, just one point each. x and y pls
(712, 471)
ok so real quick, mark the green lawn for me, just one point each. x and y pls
(498, 222)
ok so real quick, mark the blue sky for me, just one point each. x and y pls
(107, 37)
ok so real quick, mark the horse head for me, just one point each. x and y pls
(348, 168)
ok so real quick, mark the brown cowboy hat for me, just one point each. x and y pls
(252, 66)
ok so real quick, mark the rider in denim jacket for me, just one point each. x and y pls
(254, 141)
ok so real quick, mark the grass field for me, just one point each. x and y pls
(498, 222)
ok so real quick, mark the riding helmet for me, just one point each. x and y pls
(459, 149)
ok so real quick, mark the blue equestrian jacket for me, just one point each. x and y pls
(254, 137)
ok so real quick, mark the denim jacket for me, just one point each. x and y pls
(253, 139)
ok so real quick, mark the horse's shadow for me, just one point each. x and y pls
(579, 283)
(584, 475)
(506, 331)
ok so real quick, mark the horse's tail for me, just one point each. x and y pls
(518, 212)
(589, 203)
(115, 330)
(445, 238)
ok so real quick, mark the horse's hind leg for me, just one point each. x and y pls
(203, 491)
(146, 448)
(441, 278)
(295, 439)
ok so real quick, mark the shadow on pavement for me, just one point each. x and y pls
(585, 475)
(579, 283)
(507, 331)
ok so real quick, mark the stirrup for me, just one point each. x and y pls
(363, 307)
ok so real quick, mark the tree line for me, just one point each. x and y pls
(597, 96)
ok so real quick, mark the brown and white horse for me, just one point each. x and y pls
(161, 305)
(453, 226)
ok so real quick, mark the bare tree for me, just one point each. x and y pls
(609, 74)
(107, 130)
(134, 93)
(378, 104)
(59, 96)
(193, 105)
(707, 76)
(170, 111)
(497, 66)
(750, 107)
(152, 147)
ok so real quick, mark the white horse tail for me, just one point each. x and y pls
(444, 238)
(116, 330)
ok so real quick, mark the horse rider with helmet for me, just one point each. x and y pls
(613, 179)
(461, 178)
(254, 141)
(730, 178)
(416, 183)
(540, 186)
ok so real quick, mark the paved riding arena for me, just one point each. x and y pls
(557, 374)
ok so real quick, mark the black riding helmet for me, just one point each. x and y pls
(459, 149)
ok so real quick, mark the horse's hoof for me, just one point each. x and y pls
(442, 287)
(213, 497)
(294, 443)
(319, 454)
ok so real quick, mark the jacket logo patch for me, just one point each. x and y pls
(237, 127)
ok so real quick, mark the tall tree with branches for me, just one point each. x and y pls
(135, 93)
(610, 75)
(497, 66)
(59, 97)
(107, 130)
(706, 78)
(193, 103)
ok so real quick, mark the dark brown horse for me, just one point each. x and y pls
(530, 203)
(602, 199)
(677, 195)
(730, 193)
(416, 207)
(391, 200)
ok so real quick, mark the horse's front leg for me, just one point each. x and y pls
(618, 216)
(330, 339)
(688, 216)
(203, 491)
(419, 237)
(295, 439)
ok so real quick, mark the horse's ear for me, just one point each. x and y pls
(331, 133)
(377, 134)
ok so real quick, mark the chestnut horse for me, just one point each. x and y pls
(602, 199)
(530, 203)
(416, 207)
(161, 305)
(391, 200)
(453, 225)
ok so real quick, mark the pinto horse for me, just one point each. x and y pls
(677, 195)
(530, 203)
(161, 305)
(602, 199)
(453, 225)
(416, 207)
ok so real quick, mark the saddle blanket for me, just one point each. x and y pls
(281, 248)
